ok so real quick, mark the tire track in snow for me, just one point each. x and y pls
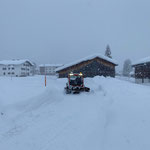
(26, 118)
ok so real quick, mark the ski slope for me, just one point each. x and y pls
(113, 116)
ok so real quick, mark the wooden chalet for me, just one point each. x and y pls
(142, 70)
(95, 65)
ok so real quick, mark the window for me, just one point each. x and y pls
(4, 73)
(4, 68)
(13, 73)
(25, 64)
(8, 72)
(13, 68)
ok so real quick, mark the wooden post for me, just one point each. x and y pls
(45, 74)
(45, 80)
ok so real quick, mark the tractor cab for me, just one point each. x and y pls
(75, 84)
(76, 80)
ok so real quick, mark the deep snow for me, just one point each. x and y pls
(113, 116)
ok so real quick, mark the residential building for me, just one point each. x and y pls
(48, 69)
(16, 68)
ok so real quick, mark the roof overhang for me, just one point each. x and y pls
(114, 62)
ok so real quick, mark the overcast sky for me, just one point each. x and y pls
(61, 31)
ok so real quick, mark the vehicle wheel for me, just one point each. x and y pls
(87, 89)
(68, 91)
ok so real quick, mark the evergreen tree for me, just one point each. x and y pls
(127, 67)
(108, 52)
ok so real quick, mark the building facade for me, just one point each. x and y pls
(142, 70)
(95, 65)
(48, 69)
(16, 68)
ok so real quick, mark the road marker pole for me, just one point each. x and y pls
(45, 80)
(45, 74)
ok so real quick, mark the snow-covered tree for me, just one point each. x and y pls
(108, 52)
(127, 67)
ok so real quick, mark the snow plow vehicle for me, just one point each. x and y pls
(75, 84)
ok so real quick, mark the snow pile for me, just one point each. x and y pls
(113, 116)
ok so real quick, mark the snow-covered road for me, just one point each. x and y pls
(113, 116)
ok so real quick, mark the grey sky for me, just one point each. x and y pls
(61, 31)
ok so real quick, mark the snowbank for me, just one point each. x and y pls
(113, 116)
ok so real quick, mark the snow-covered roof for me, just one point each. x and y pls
(15, 62)
(142, 61)
(86, 59)
(50, 65)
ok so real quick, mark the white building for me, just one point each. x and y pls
(48, 69)
(16, 68)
